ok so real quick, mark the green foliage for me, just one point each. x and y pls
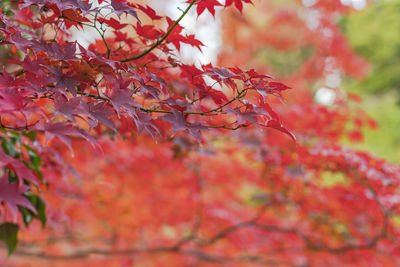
(40, 207)
(385, 141)
(12, 143)
(374, 34)
(332, 179)
(284, 63)
(35, 161)
(8, 234)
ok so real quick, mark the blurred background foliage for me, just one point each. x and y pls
(374, 33)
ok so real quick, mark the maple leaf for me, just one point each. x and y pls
(207, 4)
(277, 86)
(176, 37)
(193, 74)
(278, 126)
(12, 195)
(143, 121)
(246, 116)
(20, 169)
(122, 98)
(63, 80)
(179, 123)
(86, 54)
(36, 75)
(69, 107)
(20, 42)
(154, 92)
(57, 51)
(100, 112)
(147, 31)
(159, 80)
(83, 6)
(176, 102)
(263, 106)
(60, 5)
(253, 74)
(177, 119)
(94, 59)
(74, 18)
(24, 15)
(119, 82)
(11, 98)
(221, 73)
(148, 11)
(123, 37)
(39, 3)
(193, 41)
(238, 3)
(265, 87)
(113, 23)
(84, 71)
(217, 96)
(120, 7)
(195, 129)
(63, 131)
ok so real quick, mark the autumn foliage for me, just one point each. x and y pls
(119, 153)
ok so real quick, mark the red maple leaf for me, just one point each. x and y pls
(12, 195)
(19, 168)
(238, 3)
(149, 12)
(113, 23)
(278, 126)
(147, 31)
(63, 131)
(207, 4)
(121, 7)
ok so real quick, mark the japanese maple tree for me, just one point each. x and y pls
(174, 164)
